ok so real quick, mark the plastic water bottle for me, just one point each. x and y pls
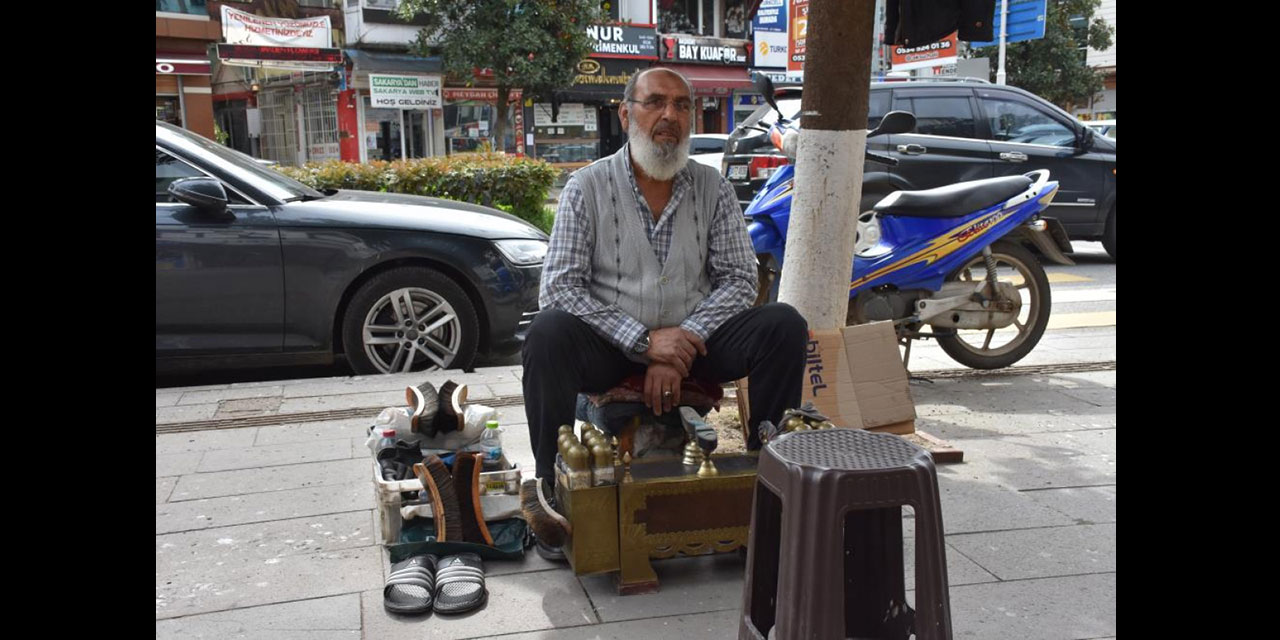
(387, 441)
(491, 446)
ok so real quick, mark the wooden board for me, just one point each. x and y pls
(942, 451)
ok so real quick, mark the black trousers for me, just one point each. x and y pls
(564, 356)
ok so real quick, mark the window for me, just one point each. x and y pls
(735, 19)
(169, 109)
(878, 107)
(940, 115)
(681, 16)
(169, 169)
(1017, 122)
(279, 137)
(707, 145)
(320, 122)
(194, 7)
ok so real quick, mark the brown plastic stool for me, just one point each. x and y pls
(824, 559)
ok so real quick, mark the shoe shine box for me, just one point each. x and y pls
(593, 512)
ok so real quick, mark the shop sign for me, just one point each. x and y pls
(404, 92)
(572, 114)
(183, 66)
(934, 54)
(798, 33)
(239, 27)
(320, 152)
(623, 41)
(302, 58)
(699, 50)
(606, 72)
(481, 95)
(770, 49)
(771, 17)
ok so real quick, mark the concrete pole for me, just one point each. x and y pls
(833, 139)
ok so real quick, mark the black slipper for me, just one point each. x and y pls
(460, 584)
(410, 586)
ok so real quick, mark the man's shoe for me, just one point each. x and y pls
(548, 552)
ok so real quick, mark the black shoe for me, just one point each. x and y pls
(553, 554)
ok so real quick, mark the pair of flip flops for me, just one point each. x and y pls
(453, 584)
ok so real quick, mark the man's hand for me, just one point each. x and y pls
(661, 387)
(676, 347)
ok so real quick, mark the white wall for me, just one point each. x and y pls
(360, 32)
(1105, 58)
(637, 11)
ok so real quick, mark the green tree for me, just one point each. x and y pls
(534, 45)
(1053, 67)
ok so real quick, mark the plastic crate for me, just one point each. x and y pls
(389, 499)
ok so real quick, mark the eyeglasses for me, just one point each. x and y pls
(658, 103)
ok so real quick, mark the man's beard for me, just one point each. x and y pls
(658, 160)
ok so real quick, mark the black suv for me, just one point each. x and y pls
(965, 130)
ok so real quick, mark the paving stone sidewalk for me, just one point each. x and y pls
(270, 530)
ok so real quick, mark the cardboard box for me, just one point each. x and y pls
(855, 376)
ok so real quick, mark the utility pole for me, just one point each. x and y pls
(829, 161)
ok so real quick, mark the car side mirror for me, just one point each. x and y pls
(205, 194)
(1086, 138)
(895, 122)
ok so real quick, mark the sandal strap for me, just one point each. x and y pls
(418, 575)
(459, 574)
(411, 580)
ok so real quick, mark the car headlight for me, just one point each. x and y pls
(522, 252)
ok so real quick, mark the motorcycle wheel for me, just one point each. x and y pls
(974, 348)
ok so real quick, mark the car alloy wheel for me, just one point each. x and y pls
(409, 325)
(410, 319)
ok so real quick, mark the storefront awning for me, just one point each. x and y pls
(376, 62)
(713, 81)
(183, 64)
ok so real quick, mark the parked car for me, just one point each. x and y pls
(707, 148)
(965, 130)
(255, 268)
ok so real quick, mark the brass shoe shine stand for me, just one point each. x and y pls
(625, 513)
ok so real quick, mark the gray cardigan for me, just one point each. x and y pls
(624, 269)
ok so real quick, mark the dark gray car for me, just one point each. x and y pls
(965, 130)
(255, 268)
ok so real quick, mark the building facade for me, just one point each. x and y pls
(184, 96)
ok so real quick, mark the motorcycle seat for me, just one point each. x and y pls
(953, 200)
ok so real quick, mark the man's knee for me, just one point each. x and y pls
(787, 323)
(551, 329)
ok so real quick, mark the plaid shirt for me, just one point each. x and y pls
(567, 270)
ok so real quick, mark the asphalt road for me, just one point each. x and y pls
(1084, 295)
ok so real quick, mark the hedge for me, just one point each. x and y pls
(516, 185)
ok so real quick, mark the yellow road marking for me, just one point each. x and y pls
(1076, 320)
(1016, 278)
(1066, 277)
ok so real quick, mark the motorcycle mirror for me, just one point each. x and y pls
(895, 122)
(764, 86)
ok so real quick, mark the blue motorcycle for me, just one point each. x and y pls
(950, 263)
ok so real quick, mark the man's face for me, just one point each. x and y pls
(662, 111)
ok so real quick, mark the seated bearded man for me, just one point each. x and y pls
(650, 271)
